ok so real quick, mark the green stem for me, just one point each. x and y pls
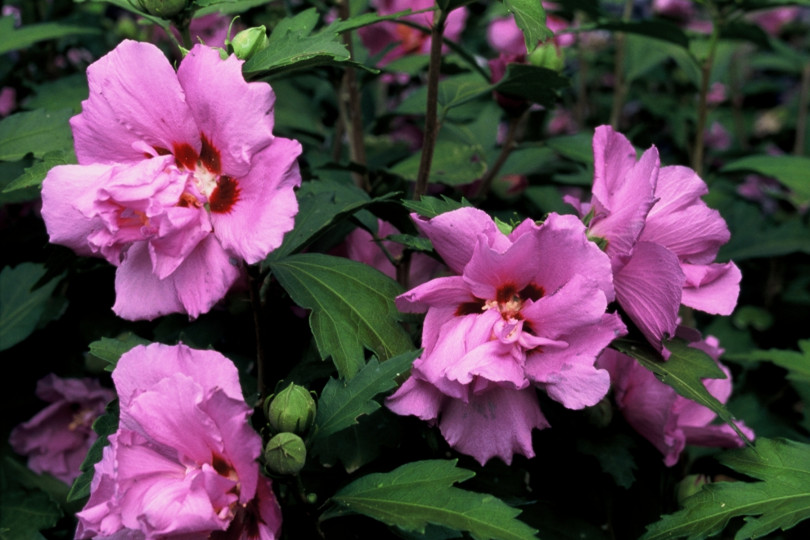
(431, 117)
(506, 149)
(349, 100)
(620, 85)
(705, 72)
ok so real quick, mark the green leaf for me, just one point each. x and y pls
(575, 147)
(791, 171)
(421, 493)
(20, 307)
(321, 203)
(24, 513)
(36, 132)
(352, 307)
(530, 17)
(534, 83)
(36, 173)
(430, 207)
(105, 425)
(684, 371)
(780, 500)
(25, 36)
(753, 236)
(111, 349)
(453, 164)
(342, 403)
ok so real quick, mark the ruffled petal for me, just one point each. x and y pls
(139, 294)
(452, 290)
(712, 288)
(489, 270)
(454, 234)
(416, 398)
(265, 207)
(495, 423)
(236, 117)
(134, 94)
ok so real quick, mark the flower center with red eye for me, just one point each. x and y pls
(508, 301)
(412, 38)
(221, 191)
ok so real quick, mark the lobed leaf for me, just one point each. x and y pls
(342, 403)
(352, 307)
(25, 36)
(534, 83)
(431, 207)
(453, 164)
(419, 494)
(780, 500)
(111, 349)
(36, 173)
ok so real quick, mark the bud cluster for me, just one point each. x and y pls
(290, 414)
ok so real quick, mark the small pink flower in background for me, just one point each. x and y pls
(401, 40)
(773, 20)
(717, 137)
(180, 178)
(505, 37)
(360, 246)
(523, 311)
(717, 94)
(8, 101)
(683, 10)
(57, 439)
(661, 237)
(664, 418)
(183, 462)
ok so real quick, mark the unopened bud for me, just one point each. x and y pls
(292, 410)
(548, 55)
(248, 42)
(163, 8)
(285, 453)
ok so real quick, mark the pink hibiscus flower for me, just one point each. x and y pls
(524, 310)
(401, 40)
(660, 236)
(664, 418)
(58, 437)
(183, 461)
(179, 178)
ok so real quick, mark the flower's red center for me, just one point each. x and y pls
(412, 38)
(508, 301)
(221, 191)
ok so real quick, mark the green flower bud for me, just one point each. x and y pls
(292, 410)
(163, 8)
(285, 454)
(248, 42)
(548, 55)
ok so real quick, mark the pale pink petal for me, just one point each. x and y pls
(578, 302)
(416, 398)
(681, 221)
(721, 435)
(494, 361)
(454, 234)
(712, 288)
(505, 37)
(179, 233)
(139, 294)
(235, 116)
(134, 94)
(495, 423)
(65, 206)
(144, 366)
(436, 292)
(577, 386)
(564, 250)
(649, 290)
(489, 271)
(266, 206)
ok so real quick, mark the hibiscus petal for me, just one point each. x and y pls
(235, 116)
(205, 277)
(712, 288)
(497, 422)
(489, 271)
(417, 398)
(454, 234)
(436, 292)
(139, 294)
(142, 367)
(134, 94)
(649, 290)
(265, 206)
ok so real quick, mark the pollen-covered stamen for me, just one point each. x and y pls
(509, 301)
